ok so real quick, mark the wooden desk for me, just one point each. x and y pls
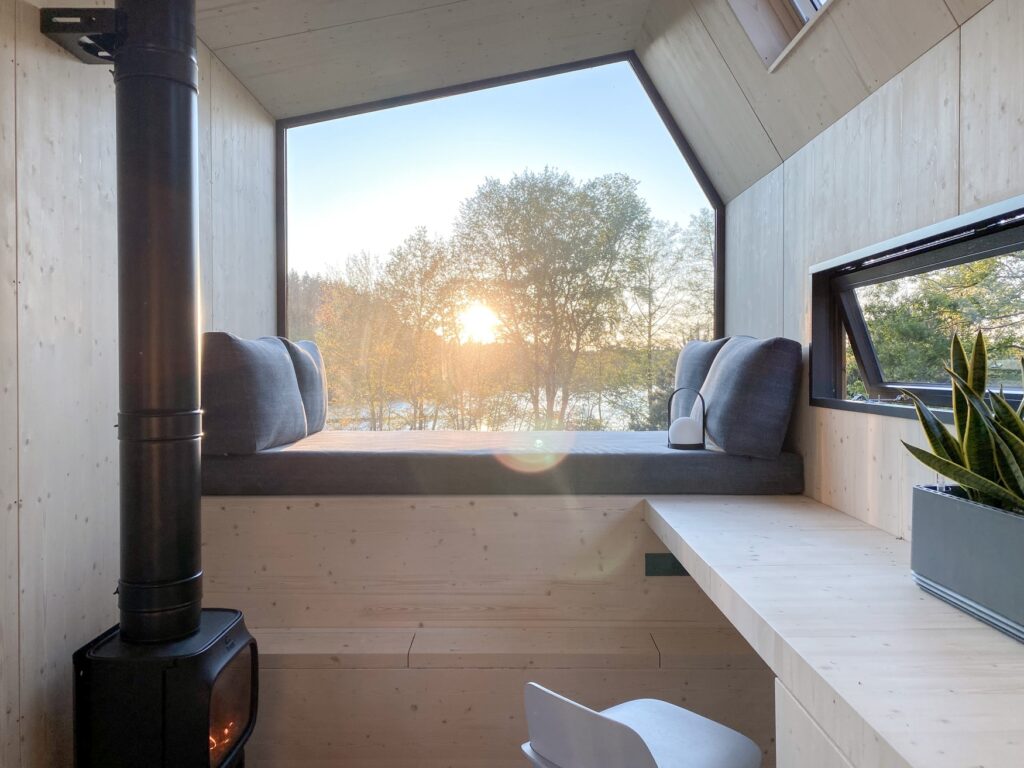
(890, 675)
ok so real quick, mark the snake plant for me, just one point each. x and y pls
(985, 453)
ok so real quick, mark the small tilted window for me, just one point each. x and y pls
(882, 318)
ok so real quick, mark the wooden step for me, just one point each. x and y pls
(333, 648)
(534, 648)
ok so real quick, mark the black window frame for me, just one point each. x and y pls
(630, 57)
(836, 315)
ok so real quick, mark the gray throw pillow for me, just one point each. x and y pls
(251, 398)
(750, 392)
(309, 370)
(692, 368)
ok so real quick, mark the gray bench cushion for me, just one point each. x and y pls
(251, 398)
(692, 368)
(750, 392)
(451, 463)
(312, 379)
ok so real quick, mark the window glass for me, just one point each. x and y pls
(525, 257)
(853, 383)
(911, 319)
(807, 8)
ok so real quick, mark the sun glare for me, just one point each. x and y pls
(478, 323)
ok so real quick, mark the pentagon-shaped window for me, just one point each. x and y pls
(520, 257)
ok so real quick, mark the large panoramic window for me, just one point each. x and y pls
(529, 256)
(883, 322)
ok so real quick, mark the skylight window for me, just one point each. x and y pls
(774, 26)
(807, 8)
(529, 256)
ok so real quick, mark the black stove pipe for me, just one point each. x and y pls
(156, 76)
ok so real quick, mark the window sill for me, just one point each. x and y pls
(879, 409)
(799, 36)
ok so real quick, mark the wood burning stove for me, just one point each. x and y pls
(191, 702)
(172, 685)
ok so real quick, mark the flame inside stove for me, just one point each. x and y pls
(231, 707)
(221, 740)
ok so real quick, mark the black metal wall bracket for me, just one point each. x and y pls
(92, 35)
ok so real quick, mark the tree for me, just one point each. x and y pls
(303, 301)
(421, 284)
(550, 256)
(697, 273)
(911, 319)
(360, 338)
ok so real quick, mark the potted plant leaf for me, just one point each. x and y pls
(968, 542)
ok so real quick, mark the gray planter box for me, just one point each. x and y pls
(970, 555)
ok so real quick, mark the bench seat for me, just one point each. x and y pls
(600, 647)
(340, 463)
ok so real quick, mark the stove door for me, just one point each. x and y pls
(231, 708)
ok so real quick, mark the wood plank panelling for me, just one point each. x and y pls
(992, 127)
(816, 83)
(67, 372)
(491, 591)
(883, 37)
(742, 120)
(440, 562)
(240, 282)
(227, 23)
(9, 672)
(754, 270)
(438, 46)
(415, 718)
(334, 648)
(847, 55)
(534, 648)
(889, 166)
(694, 80)
(719, 647)
(856, 462)
(799, 741)
(58, 368)
(962, 10)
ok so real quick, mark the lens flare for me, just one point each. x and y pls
(537, 453)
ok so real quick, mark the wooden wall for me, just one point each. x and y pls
(743, 120)
(58, 348)
(422, 562)
(239, 262)
(9, 704)
(942, 137)
(474, 597)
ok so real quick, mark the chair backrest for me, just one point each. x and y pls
(571, 736)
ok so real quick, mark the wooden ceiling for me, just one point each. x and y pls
(303, 56)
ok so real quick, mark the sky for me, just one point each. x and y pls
(364, 183)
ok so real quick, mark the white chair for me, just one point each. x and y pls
(644, 733)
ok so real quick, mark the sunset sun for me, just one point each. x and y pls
(478, 323)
